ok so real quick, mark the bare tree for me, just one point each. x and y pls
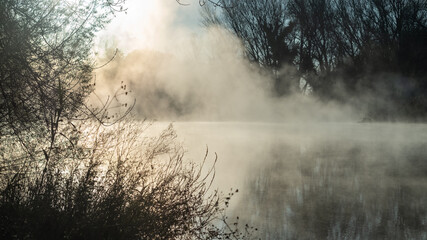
(265, 31)
(63, 173)
(366, 47)
(46, 59)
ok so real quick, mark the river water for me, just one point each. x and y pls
(319, 181)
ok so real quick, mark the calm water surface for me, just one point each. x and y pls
(320, 181)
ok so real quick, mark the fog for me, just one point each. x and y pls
(305, 168)
(199, 75)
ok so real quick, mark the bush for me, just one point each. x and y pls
(111, 183)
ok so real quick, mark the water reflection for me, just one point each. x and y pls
(321, 181)
(338, 190)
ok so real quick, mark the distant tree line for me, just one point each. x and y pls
(373, 50)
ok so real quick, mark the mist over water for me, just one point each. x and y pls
(320, 181)
(305, 169)
(203, 76)
(212, 83)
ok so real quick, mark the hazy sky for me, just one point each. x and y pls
(152, 24)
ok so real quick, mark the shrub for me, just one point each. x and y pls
(111, 183)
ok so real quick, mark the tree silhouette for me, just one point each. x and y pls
(344, 50)
(64, 174)
(265, 32)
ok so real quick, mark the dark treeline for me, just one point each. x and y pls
(370, 50)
